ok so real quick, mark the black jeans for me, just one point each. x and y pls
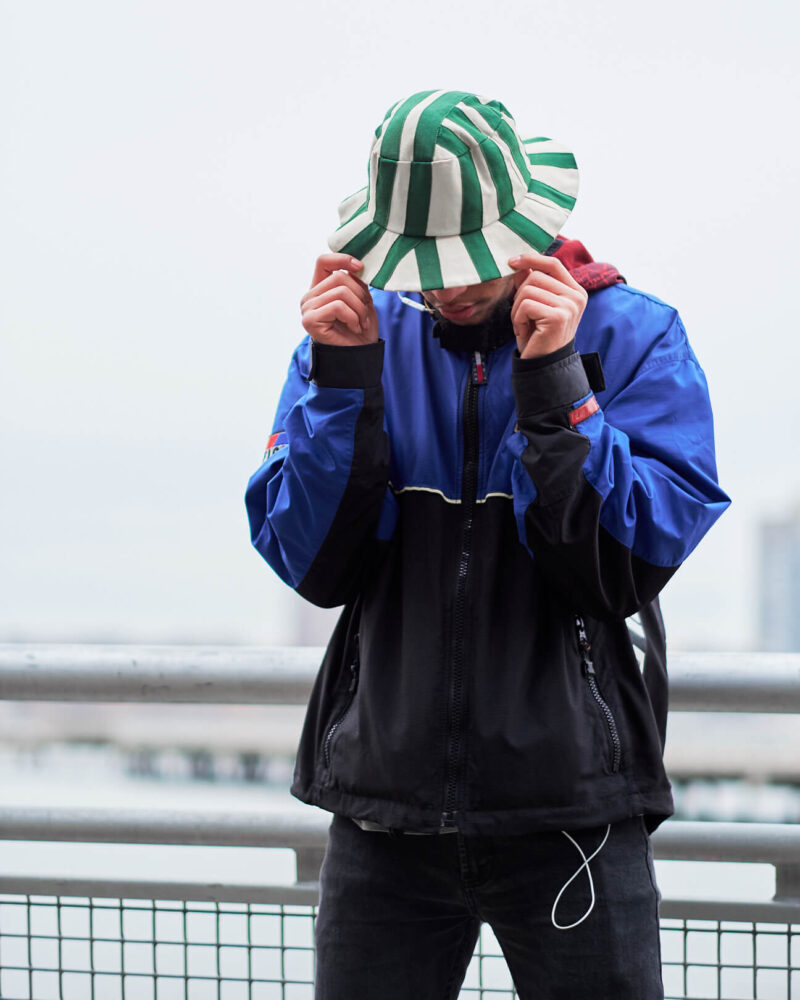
(399, 915)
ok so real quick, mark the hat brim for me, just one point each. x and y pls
(402, 263)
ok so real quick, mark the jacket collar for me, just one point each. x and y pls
(485, 337)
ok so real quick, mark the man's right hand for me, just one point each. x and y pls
(338, 309)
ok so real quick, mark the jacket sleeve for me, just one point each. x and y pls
(315, 503)
(611, 499)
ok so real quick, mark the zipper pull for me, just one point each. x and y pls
(584, 645)
(354, 667)
(583, 638)
(480, 375)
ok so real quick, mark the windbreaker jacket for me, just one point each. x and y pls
(490, 524)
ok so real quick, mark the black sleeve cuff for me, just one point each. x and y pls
(358, 367)
(547, 387)
(531, 364)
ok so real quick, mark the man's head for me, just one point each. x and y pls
(453, 193)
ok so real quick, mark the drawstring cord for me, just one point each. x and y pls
(422, 307)
(565, 886)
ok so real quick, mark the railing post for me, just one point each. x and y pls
(787, 882)
(309, 862)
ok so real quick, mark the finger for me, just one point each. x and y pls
(540, 296)
(327, 263)
(548, 265)
(532, 315)
(549, 306)
(331, 315)
(552, 291)
(341, 294)
(543, 280)
(529, 311)
(338, 279)
(540, 315)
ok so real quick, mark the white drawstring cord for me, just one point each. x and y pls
(415, 305)
(585, 864)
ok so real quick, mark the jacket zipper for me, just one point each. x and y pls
(591, 677)
(351, 690)
(469, 490)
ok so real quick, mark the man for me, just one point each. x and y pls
(491, 476)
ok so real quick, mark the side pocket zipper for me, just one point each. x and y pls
(591, 678)
(351, 691)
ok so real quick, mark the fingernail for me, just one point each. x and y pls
(356, 263)
(514, 260)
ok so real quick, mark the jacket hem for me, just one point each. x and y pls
(655, 806)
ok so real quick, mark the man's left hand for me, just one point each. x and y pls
(548, 304)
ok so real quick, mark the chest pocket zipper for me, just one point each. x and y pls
(591, 679)
(351, 693)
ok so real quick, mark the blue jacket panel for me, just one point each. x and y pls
(650, 456)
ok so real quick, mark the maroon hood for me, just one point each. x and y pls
(590, 274)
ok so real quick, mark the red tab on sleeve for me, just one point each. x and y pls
(275, 442)
(582, 412)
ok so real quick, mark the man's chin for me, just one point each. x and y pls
(474, 316)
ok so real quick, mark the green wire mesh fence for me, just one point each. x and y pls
(62, 948)
(730, 960)
(78, 948)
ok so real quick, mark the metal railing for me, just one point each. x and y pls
(711, 947)
(241, 675)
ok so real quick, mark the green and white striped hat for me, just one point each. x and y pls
(452, 193)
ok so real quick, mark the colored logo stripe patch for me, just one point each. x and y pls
(582, 412)
(275, 443)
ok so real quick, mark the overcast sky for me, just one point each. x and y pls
(168, 172)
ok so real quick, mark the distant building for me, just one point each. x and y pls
(779, 585)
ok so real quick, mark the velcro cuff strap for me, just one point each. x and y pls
(357, 367)
(594, 371)
(556, 385)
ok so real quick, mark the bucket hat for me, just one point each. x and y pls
(452, 193)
